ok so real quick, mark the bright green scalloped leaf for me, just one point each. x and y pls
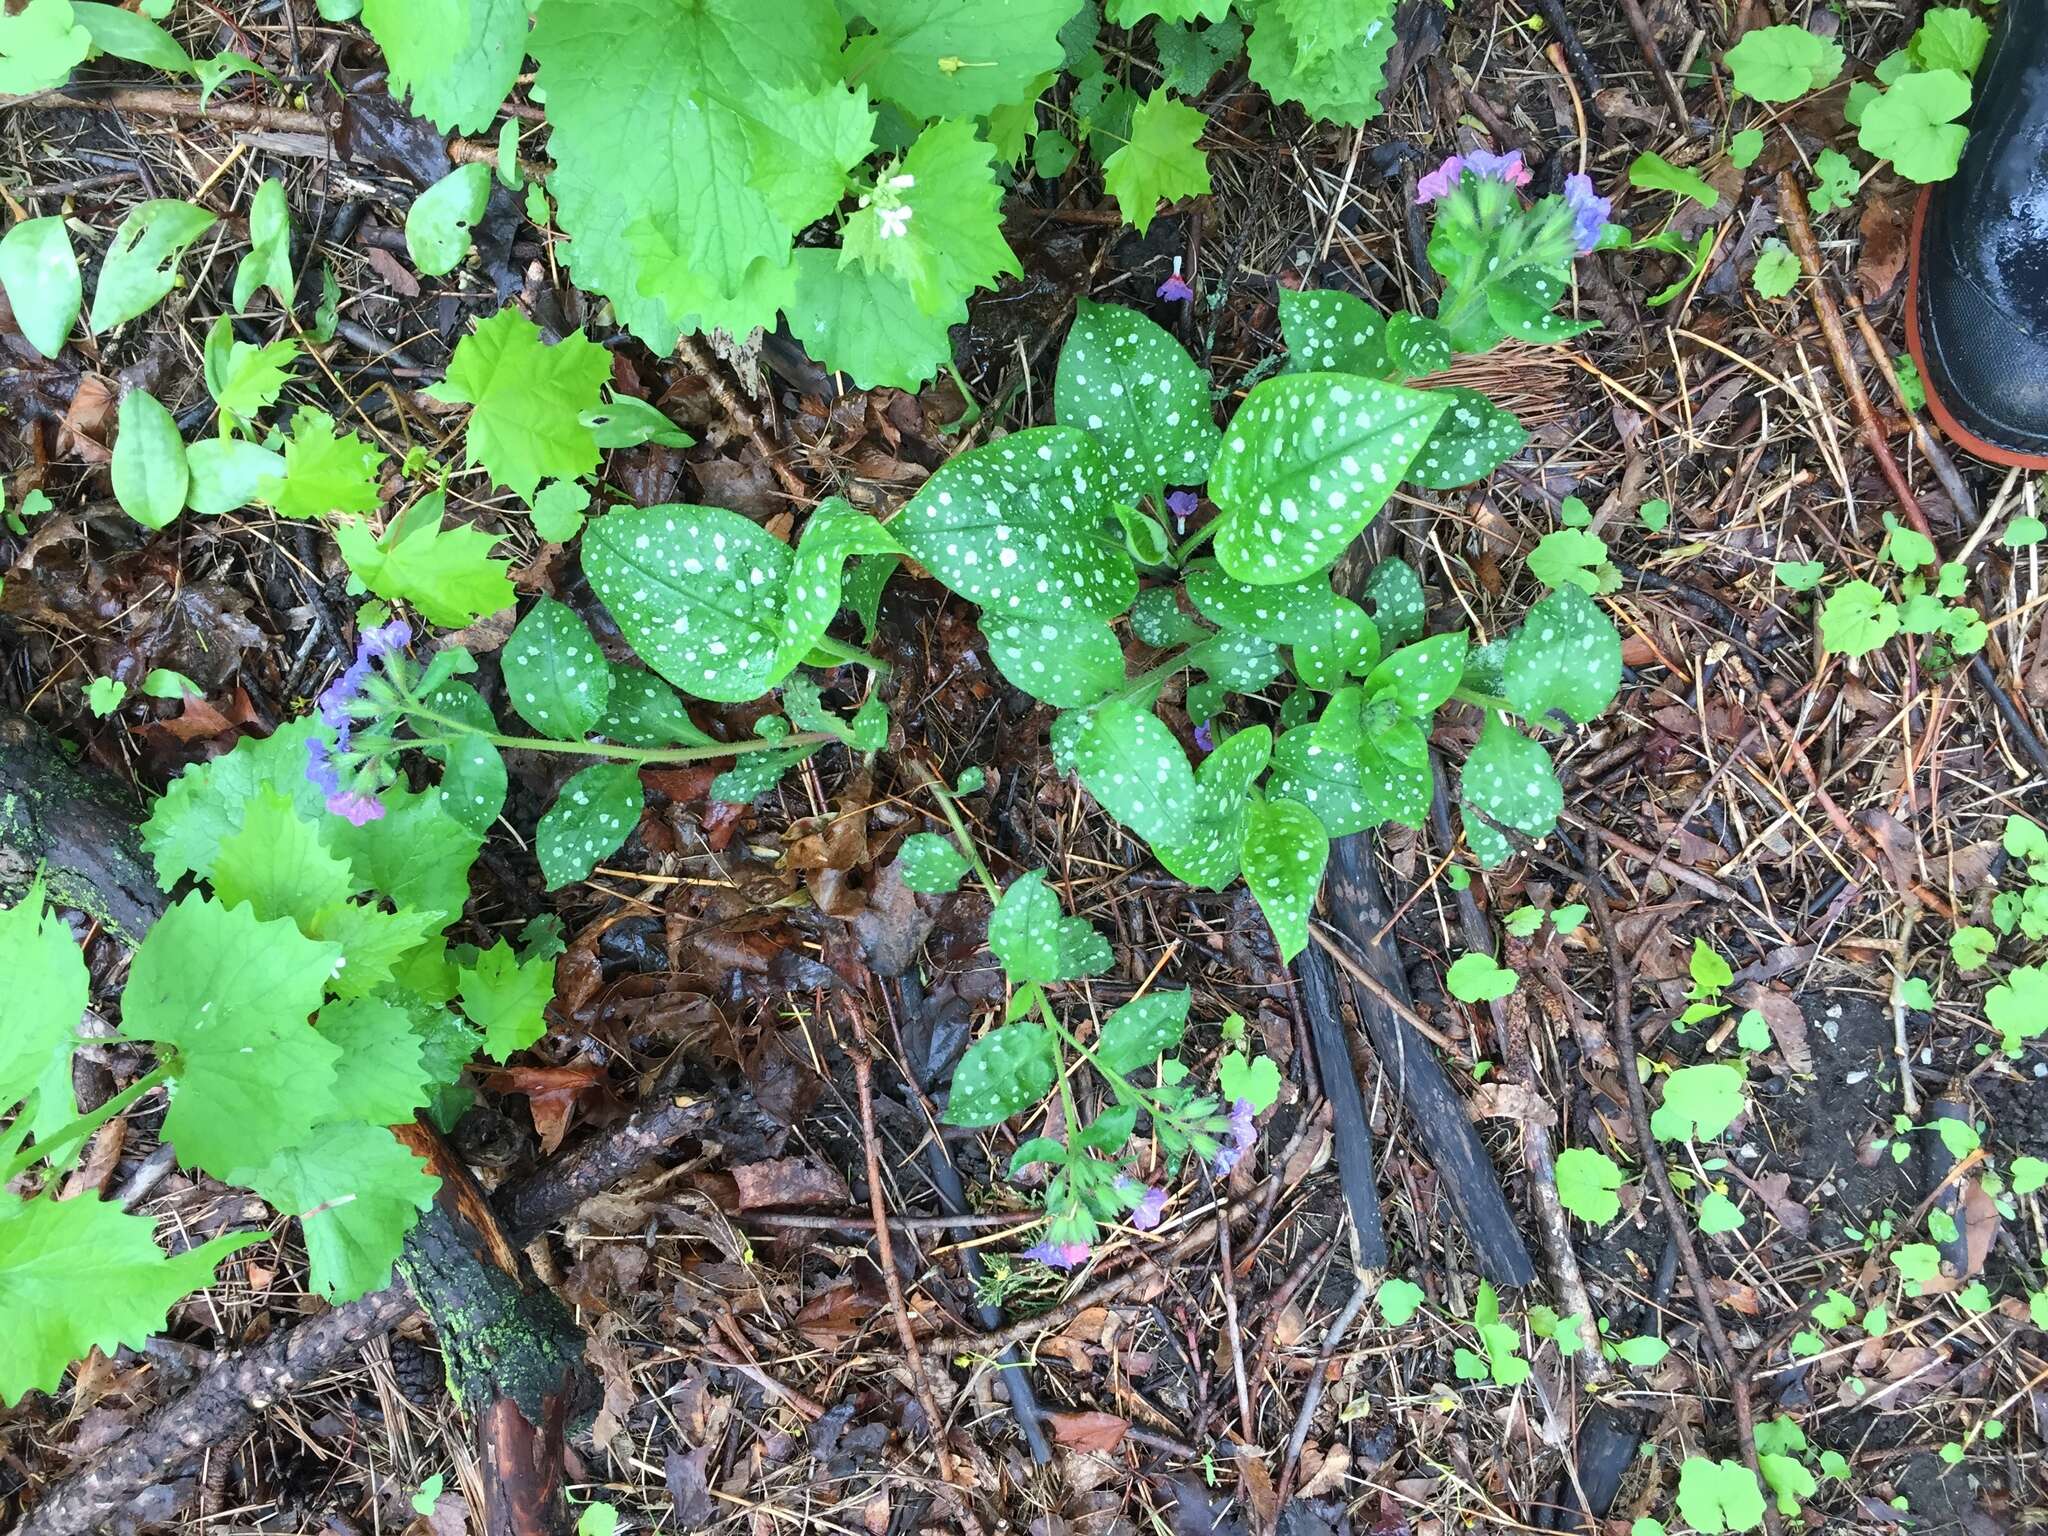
(325, 471)
(558, 508)
(935, 220)
(1342, 85)
(1034, 941)
(1776, 272)
(1949, 37)
(556, 679)
(1789, 1481)
(866, 324)
(1161, 162)
(955, 58)
(40, 45)
(1835, 181)
(643, 711)
(1718, 1214)
(415, 853)
(930, 863)
(150, 473)
(1569, 557)
(1285, 848)
(77, 1275)
(1145, 401)
(2018, 1006)
(1306, 463)
(507, 998)
(1509, 778)
(1718, 1496)
(229, 998)
(1565, 656)
(1857, 618)
(277, 864)
(1066, 664)
(593, 815)
(1782, 63)
(39, 270)
(204, 805)
(1143, 1030)
(269, 262)
(438, 224)
(1005, 1072)
(386, 1078)
(1399, 1300)
(835, 533)
(357, 1191)
(1744, 147)
(527, 400)
(1016, 527)
(1136, 770)
(1586, 1184)
(696, 591)
(1477, 978)
(1328, 331)
(1128, 13)
(1699, 1102)
(456, 59)
(1471, 440)
(444, 570)
(1913, 124)
(1209, 857)
(142, 263)
(47, 991)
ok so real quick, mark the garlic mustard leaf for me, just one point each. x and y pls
(46, 996)
(1913, 124)
(1782, 63)
(1586, 1184)
(40, 45)
(866, 324)
(356, 1191)
(955, 58)
(386, 1076)
(456, 59)
(1342, 85)
(276, 863)
(1700, 1102)
(935, 219)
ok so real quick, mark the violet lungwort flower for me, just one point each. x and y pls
(1203, 739)
(1589, 211)
(356, 808)
(335, 702)
(1176, 287)
(320, 770)
(1507, 167)
(1059, 1255)
(1243, 1134)
(1438, 183)
(1182, 505)
(1146, 1213)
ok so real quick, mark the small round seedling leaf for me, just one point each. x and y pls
(594, 814)
(150, 473)
(1285, 849)
(40, 273)
(437, 226)
(1328, 331)
(1782, 63)
(1477, 978)
(1586, 1184)
(1254, 1079)
(1128, 383)
(1141, 1031)
(1004, 1072)
(930, 863)
(558, 509)
(1699, 1103)
(1719, 1496)
(1399, 1300)
(1718, 1214)
(556, 678)
(1471, 440)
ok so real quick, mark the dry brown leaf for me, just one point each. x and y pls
(1511, 1101)
(788, 1181)
(1089, 1431)
(835, 1315)
(551, 1095)
(1884, 226)
(1787, 1023)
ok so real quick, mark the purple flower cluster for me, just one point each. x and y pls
(1243, 1134)
(1589, 211)
(1146, 1213)
(322, 769)
(1059, 1255)
(1439, 182)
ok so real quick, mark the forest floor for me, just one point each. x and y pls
(1823, 826)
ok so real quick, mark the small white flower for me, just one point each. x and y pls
(903, 183)
(895, 222)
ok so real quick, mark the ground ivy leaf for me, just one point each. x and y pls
(150, 473)
(231, 997)
(1782, 63)
(506, 998)
(1285, 848)
(1035, 942)
(1328, 331)
(40, 273)
(935, 220)
(1566, 656)
(1569, 557)
(276, 863)
(866, 324)
(444, 570)
(696, 591)
(1068, 665)
(142, 262)
(1126, 380)
(1307, 462)
(1133, 766)
(81, 1274)
(556, 678)
(1586, 1184)
(1509, 778)
(930, 863)
(1209, 857)
(1007, 1070)
(1143, 1030)
(438, 224)
(1699, 1102)
(47, 994)
(1477, 978)
(593, 815)
(325, 471)
(357, 1192)
(528, 399)
(955, 58)
(1015, 527)
(1471, 440)
(1776, 270)
(1161, 161)
(456, 59)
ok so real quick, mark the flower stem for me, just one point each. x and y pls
(695, 754)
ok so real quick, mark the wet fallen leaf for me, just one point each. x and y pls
(835, 1315)
(551, 1095)
(1089, 1431)
(1884, 225)
(1787, 1023)
(788, 1181)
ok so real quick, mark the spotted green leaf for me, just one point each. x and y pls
(930, 863)
(1335, 785)
(1472, 439)
(1004, 1072)
(473, 778)
(1068, 664)
(595, 813)
(1509, 778)
(1328, 331)
(1209, 857)
(1128, 382)
(1134, 767)
(142, 263)
(1421, 676)
(1345, 643)
(1308, 461)
(1035, 941)
(1290, 613)
(40, 273)
(1016, 527)
(1416, 346)
(1399, 608)
(643, 711)
(1285, 849)
(1138, 1033)
(1240, 663)
(1157, 619)
(556, 678)
(1566, 656)
(835, 534)
(696, 592)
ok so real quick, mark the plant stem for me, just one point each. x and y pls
(1196, 540)
(699, 754)
(83, 1126)
(841, 651)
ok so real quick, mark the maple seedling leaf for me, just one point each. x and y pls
(507, 999)
(1160, 163)
(526, 399)
(445, 571)
(325, 471)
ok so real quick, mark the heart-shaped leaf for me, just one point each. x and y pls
(1067, 663)
(1129, 383)
(1017, 527)
(696, 591)
(1285, 849)
(1308, 461)
(1332, 332)
(1565, 656)
(1004, 1072)
(835, 534)
(1143, 1030)
(556, 678)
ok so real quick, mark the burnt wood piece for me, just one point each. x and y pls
(1332, 1045)
(79, 831)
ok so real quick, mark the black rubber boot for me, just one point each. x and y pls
(1977, 289)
